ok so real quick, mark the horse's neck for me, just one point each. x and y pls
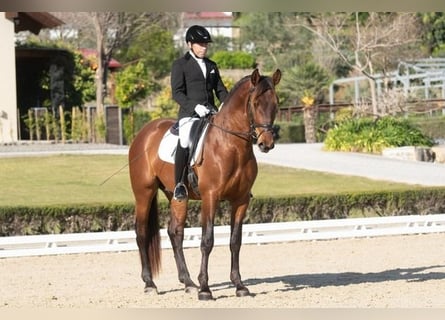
(233, 114)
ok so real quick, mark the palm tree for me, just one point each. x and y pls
(306, 84)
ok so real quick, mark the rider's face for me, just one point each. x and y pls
(199, 49)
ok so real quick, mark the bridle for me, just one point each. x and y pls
(253, 125)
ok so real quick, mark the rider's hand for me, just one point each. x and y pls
(201, 110)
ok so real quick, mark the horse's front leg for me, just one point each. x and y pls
(176, 234)
(238, 214)
(208, 210)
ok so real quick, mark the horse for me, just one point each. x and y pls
(226, 172)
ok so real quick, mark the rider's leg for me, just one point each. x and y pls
(181, 156)
(180, 193)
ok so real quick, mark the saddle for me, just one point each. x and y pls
(197, 131)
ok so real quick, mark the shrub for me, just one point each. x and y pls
(290, 132)
(233, 60)
(433, 127)
(373, 135)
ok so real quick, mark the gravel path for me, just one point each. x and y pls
(312, 157)
(24, 149)
(385, 272)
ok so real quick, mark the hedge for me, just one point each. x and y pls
(234, 60)
(116, 217)
(290, 132)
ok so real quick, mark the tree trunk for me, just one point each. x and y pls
(99, 125)
(310, 131)
(375, 110)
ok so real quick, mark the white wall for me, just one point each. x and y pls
(8, 98)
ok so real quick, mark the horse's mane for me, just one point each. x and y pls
(236, 86)
(264, 85)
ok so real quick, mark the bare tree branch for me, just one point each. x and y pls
(360, 40)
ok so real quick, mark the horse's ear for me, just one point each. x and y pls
(276, 77)
(255, 77)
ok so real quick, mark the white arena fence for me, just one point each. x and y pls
(115, 241)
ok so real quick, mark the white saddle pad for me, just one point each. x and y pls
(167, 147)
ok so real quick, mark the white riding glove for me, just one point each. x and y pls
(201, 110)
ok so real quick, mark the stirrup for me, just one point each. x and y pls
(180, 193)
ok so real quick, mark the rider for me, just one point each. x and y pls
(194, 81)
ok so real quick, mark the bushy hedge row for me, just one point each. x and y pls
(117, 217)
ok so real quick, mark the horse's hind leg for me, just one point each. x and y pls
(148, 238)
(176, 234)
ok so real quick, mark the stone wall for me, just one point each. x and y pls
(434, 154)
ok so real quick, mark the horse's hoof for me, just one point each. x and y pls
(191, 289)
(205, 296)
(244, 292)
(151, 290)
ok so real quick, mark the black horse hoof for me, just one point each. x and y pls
(205, 296)
(244, 292)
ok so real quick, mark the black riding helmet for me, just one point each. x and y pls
(197, 34)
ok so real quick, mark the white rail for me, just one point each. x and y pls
(17, 246)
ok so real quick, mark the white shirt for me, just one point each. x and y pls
(201, 63)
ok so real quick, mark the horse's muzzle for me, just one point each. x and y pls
(265, 140)
(266, 147)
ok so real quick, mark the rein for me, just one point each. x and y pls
(252, 124)
(240, 134)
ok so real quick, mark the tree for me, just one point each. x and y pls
(363, 40)
(306, 84)
(111, 30)
(82, 82)
(433, 35)
(309, 78)
(154, 46)
(266, 35)
(133, 84)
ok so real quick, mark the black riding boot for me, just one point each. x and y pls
(181, 157)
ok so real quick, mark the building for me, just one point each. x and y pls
(10, 24)
(217, 23)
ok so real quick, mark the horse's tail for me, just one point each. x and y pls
(154, 238)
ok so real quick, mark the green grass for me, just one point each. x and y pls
(75, 179)
(283, 181)
(64, 179)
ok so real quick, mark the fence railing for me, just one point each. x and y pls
(53, 244)
(422, 106)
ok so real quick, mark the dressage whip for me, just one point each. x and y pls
(123, 167)
(115, 173)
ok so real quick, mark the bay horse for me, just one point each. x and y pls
(226, 172)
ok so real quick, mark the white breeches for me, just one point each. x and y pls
(185, 125)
